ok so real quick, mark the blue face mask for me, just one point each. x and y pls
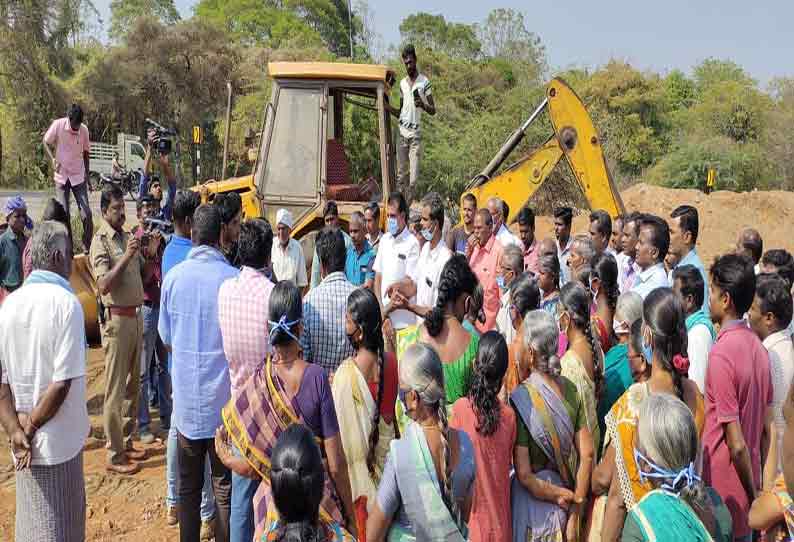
(674, 479)
(647, 353)
(401, 393)
(427, 234)
(500, 281)
(391, 225)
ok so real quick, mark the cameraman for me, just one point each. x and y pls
(70, 162)
(165, 170)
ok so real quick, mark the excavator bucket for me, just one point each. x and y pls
(581, 146)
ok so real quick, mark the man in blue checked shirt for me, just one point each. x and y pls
(360, 256)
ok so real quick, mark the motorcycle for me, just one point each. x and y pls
(128, 181)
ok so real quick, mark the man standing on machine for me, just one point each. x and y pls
(415, 95)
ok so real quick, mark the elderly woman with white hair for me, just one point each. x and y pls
(617, 368)
(425, 489)
(553, 456)
(679, 506)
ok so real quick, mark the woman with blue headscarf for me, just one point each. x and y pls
(12, 245)
(284, 391)
(679, 507)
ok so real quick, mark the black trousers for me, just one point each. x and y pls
(191, 478)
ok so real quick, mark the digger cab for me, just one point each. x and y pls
(327, 135)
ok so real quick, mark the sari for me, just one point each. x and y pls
(621, 423)
(784, 530)
(420, 492)
(547, 418)
(254, 418)
(664, 517)
(333, 533)
(457, 374)
(355, 407)
(573, 369)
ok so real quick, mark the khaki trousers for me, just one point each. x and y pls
(408, 155)
(122, 337)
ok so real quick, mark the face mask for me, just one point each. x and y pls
(647, 353)
(620, 328)
(500, 281)
(401, 396)
(391, 225)
(427, 235)
(351, 339)
(686, 475)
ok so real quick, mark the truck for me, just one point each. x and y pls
(131, 156)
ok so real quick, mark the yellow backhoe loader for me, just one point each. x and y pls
(307, 139)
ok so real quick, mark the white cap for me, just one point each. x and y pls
(284, 217)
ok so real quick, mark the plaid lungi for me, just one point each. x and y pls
(51, 502)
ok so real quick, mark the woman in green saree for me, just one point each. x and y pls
(679, 507)
(444, 331)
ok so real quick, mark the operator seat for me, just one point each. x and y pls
(339, 187)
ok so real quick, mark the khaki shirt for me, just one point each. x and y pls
(107, 248)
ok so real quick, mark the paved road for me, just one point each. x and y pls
(36, 201)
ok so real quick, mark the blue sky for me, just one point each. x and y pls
(650, 35)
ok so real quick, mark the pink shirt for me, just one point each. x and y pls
(484, 262)
(69, 149)
(738, 388)
(243, 314)
(490, 505)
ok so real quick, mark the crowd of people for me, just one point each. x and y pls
(423, 383)
(437, 383)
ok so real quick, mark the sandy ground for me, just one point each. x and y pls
(127, 508)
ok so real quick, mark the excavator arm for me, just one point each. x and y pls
(575, 139)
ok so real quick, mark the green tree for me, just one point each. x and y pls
(713, 72)
(504, 35)
(435, 33)
(123, 14)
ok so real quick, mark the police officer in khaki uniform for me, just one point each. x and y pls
(118, 266)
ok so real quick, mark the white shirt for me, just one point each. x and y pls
(564, 254)
(699, 343)
(427, 273)
(289, 263)
(505, 237)
(43, 331)
(396, 259)
(503, 323)
(781, 364)
(410, 115)
(652, 278)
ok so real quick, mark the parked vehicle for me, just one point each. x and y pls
(128, 182)
(131, 154)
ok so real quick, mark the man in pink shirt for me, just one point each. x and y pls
(243, 315)
(739, 414)
(70, 138)
(485, 255)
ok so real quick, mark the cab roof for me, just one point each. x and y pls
(329, 70)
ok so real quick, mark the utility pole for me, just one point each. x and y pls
(350, 23)
(228, 127)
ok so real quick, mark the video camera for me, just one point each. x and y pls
(162, 136)
(163, 226)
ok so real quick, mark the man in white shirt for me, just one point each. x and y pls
(684, 225)
(770, 316)
(751, 244)
(652, 247)
(43, 392)
(688, 285)
(510, 268)
(563, 218)
(601, 232)
(627, 266)
(422, 282)
(581, 253)
(616, 241)
(397, 257)
(416, 95)
(287, 255)
(496, 207)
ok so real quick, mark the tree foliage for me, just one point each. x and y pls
(124, 13)
(435, 33)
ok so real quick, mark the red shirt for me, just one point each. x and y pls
(490, 505)
(738, 388)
